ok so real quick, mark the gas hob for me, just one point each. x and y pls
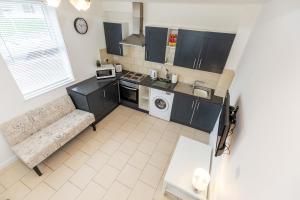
(133, 77)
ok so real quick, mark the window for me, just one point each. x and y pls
(32, 46)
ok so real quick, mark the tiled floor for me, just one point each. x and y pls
(125, 158)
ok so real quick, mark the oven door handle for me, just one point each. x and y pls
(133, 89)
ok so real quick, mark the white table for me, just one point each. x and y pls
(188, 155)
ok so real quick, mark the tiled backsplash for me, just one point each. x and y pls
(134, 60)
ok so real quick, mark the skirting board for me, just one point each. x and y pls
(8, 162)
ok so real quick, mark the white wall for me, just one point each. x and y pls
(264, 161)
(230, 17)
(83, 52)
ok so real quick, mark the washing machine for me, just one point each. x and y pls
(161, 104)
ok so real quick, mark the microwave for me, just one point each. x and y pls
(106, 71)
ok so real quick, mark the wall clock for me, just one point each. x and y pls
(81, 25)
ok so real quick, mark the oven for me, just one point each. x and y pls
(129, 93)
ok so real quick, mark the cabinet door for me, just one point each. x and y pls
(189, 46)
(113, 37)
(155, 47)
(205, 115)
(96, 104)
(182, 109)
(216, 51)
(111, 96)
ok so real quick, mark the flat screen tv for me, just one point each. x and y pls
(224, 126)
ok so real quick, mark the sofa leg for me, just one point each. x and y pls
(37, 170)
(94, 126)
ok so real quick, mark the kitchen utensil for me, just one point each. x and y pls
(174, 78)
(153, 74)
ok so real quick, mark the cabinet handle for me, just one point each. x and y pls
(198, 105)
(192, 115)
(104, 93)
(194, 63)
(120, 49)
(193, 104)
(200, 63)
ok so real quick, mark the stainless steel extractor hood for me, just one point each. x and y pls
(137, 38)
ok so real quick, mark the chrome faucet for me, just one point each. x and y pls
(198, 83)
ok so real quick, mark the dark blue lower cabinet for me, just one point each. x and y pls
(195, 112)
(100, 101)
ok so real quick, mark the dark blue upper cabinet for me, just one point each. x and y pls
(206, 51)
(155, 44)
(215, 51)
(113, 37)
(188, 48)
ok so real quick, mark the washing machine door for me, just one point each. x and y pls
(161, 104)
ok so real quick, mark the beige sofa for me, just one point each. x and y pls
(37, 134)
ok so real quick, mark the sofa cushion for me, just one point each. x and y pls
(40, 145)
(51, 112)
(18, 129)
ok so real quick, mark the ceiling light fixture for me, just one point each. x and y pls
(53, 3)
(81, 4)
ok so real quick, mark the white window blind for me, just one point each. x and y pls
(32, 46)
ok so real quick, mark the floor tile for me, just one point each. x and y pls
(129, 176)
(113, 126)
(16, 192)
(128, 127)
(160, 125)
(134, 119)
(57, 159)
(91, 147)
(151, 176)
(42, 191)
(98, 160)
(87, 135)
(103, 135)
(128, 147)
(171, 136)
(13, 174)
(92, 192)
(106, 176)
(67, 192)
(201, 137)
(110, 147)
(159, 160)
(73, 146)
(120, 136)
(76, 160)
(138, 160)
(137, 136)
(144, 127)
(142, 191)
(31, 179)
(2, 189)
(117, 192)
(147, 147)
(149, 120)
(59, 177)
(153, 136)
(83, 176)
(118, 160)
(165, 147)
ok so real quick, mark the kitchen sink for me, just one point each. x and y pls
(201, 91)
(161, 84)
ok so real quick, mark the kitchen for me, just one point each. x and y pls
(187, 81)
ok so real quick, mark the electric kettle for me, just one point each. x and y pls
(153, 74)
